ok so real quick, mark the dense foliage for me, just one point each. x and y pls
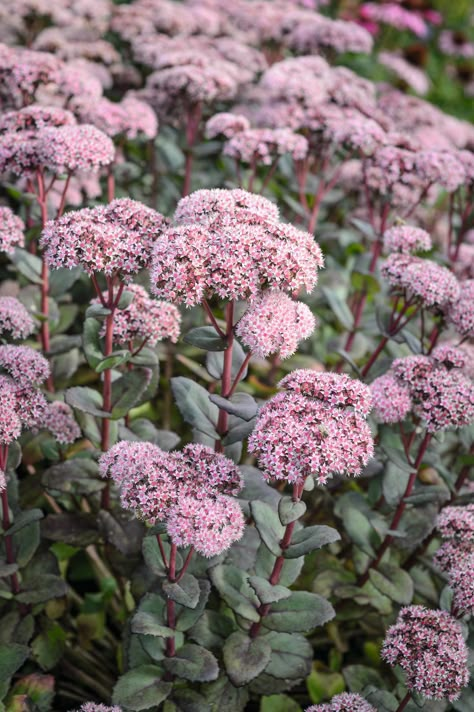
(236, 356)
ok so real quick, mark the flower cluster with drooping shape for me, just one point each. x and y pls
(442, 396)
(263, 146)
(210, 525)
(11, 231)
(230, 251)
(190, 490)
(345, 702)
(406, 239)
(429, 646)
(461, 310)
(316, 428)
(431, 284)
(275, 324)
(59, 419)
(145, 319)
(391, 399)
(15, 319)
(114, 239)
(226, 124)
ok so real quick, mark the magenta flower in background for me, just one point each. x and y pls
(345, 702)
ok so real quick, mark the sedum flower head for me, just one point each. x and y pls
(206, 206)
(226, 124)
(15, 320)
(461, 580)
(451, 553)
(424, 280)
(406, 239)
(113, 239)
(234, 255)
(430, 648)
(11, 231)
(152, 481)
(275, 324)
(263, 146)
(26, 366)
(298, 434)
(35, 117)
(457, 523)
(461, 310)
(74, 148)
(345, 702)
(210, 525)
(59, 419)
(145, 319)
(93, 707)
(391, 399)
(21, 406)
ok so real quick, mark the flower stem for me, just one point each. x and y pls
(278, 565)
(223, 418)
(170, 607)
(399, 511)
(404, 702)
(44, 331)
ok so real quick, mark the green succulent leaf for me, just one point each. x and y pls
(266, 592)
(141, 688)
(185, 592)
(234, 587)
(245, 657)
(290, 511)
(309, 539)
(206, 338)
(301, 612)
(194, 663)
(269, 526)
(393, 582)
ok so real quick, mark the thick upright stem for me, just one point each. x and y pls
(9, 553)
(404, 702)
(44, 331)
(278, 565)
(107, 385)
(223, 419)
(399, 510)
(170, 607)
(192, 128)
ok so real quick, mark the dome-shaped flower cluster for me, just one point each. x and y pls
(442, 396)
(116, 239)
(145, 319)
(315, 428)
(263, 146)
(226, 124)
(93, 707)
(59, 419)
(129, 117)
(275, 324)
(406, 239)
(235, 255)
(21, 403)
(455, 557)
(430, 648)
(433, 285)
(391, 399)
(345, 702)
(15, 321)
(11, 231)
(190, 490)
(457, 523)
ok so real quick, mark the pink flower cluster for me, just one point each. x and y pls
(429, 646)
(21, 404)
(275, 324)
(392, 13)
(36, 117)
(414, 77)
(129, 117)
(15, 319)
(456, 44)
(116, 239)
(190, 490)
(406, 239)
(235, 254)
(431, 284)
(145, 319)
(345, 702)
(226, 124)
(391, 399)
(58, 418)
(456, 555)
(461, 310)
(11, 231)
(93, 707)
(315, 428)
(443, 397)
(457, 523)
(263, 146)
(315, 34)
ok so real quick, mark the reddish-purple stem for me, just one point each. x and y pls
(223, 418)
